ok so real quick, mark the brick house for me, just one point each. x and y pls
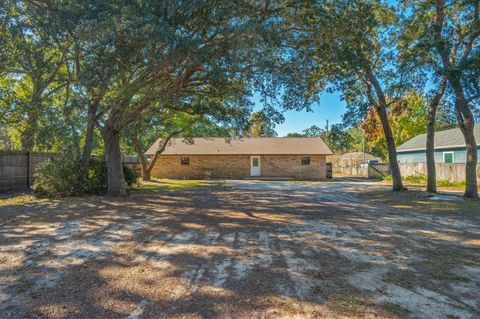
(299, 158)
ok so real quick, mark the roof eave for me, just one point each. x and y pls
(436, 148)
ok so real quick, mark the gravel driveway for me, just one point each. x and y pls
(237, 249)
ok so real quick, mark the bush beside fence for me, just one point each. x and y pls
(17, 168)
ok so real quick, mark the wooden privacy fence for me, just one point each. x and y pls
(453, 172)
(17, 168)
(132, 162)
(377, 170)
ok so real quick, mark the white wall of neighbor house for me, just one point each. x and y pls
(449, 163)
(459, 156)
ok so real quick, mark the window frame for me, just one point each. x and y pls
(453, 157)
(185, 160)
(305, 161)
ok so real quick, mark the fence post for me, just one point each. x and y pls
(28, 169)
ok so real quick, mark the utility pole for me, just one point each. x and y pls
(364, 145)
(326, 127)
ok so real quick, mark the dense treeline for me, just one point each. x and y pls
(106, 76)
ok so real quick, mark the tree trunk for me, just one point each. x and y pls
(392, 151)
(141, 156)
(430, 145)
(28, 134)
(430, 149)
(87, 148)
(152, 164)
(33, 110)
(381, 107)
(113, 157)
(463, 112)
(467, 124)
(147, 168)
(471, 184)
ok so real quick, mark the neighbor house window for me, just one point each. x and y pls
(306, 160)
(448, 157)
(185, 160)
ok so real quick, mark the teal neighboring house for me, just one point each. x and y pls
(449, 147)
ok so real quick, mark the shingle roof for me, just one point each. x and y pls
(443, 139)
(245, 146)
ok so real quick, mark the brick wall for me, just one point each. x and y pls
(238, 166)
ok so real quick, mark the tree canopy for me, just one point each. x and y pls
(112, 76)
(259, 125)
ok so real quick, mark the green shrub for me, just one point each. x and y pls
(415, 179)
(96, 182)
(422, 180)
(446, 182)
(131, 176)
(387, 178)
(410, 179)
(59, 177)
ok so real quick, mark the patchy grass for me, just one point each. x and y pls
(223, 252)
(447, 183)
(352, 306)
(405, 278)
(397, 310)
(20, 199)
(439, 263)
(421, 180)
(473, 242)
(343, 298)
(156, 185)
(417, 200)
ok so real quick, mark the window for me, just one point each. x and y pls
(306, 160)
(255, 161)
(448, 157)
(185, 160)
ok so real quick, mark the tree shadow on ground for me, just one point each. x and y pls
(313, 251)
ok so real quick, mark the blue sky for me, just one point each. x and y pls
(330, 108)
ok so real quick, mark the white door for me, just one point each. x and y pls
(255, 166)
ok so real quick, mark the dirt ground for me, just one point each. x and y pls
(241, 249)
